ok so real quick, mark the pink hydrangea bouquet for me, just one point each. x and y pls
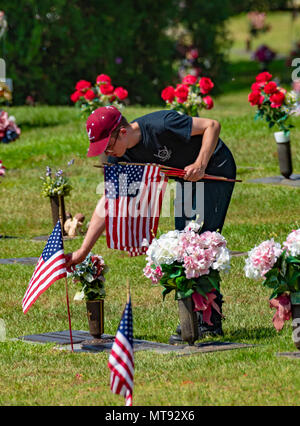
(103, 93)
(189, 263)
(190, 96)
(9, 131)
(279, 268)
(2, 169)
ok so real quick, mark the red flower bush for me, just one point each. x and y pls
(277, 99)
(83, 85)
(103, 78)
(270, 88)
(189, 80)
(90, 95)
(168, 94)
(103, 93)
(106, 89)
(205, 85)
(188, 97)
(121, 93)
(209, 102)
(273, 102)
(255, 98)
(181, 92)
(263, 77)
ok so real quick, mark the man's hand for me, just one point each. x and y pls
(194, 172)
(74, 258)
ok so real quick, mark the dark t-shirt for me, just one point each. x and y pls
(166, 139)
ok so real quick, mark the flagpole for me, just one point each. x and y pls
(128, 290)
(66, 282)
(172, 171)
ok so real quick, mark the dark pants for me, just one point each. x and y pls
(217, 194)
(217, 197)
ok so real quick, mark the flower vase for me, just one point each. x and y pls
(54, 202)
(95, 314)
(295, 302)
(188, 320)
(284, 153)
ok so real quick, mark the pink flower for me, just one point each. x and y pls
(4, 121)
(277, 99)
(209, 102)
(283, 310)
(76, 96)
(292, 243)
(83, 85)
(106, 89)
(121, 93)
(181, 92)
(205, 85)
(168, 94)
(256, 87)
(263, 77)
(154, 274)
(205, 304)
(89, 95)
(189, 80)
(270, 88)
(103, 78)
(262, 258)
(255, 98)
(2, 169)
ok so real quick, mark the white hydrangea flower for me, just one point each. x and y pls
(223, 258)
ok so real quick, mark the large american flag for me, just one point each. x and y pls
(121, 360)
(50, 268)
(133, 195)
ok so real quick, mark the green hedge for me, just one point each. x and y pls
(50, 45)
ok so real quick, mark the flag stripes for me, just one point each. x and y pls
(121, 360)
(50, 268)
(133, 203)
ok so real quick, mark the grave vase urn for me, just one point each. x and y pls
(188, 320)
(95, 314)
(295, 303)
(54, 202)
(284, 153)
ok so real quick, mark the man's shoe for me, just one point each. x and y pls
(175, 339)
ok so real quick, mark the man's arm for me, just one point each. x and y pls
(210, 129)
(96, 227)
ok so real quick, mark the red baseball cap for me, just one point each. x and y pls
(99, 127)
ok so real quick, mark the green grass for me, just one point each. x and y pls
(41, 375)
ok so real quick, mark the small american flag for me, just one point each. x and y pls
(50, 268)
(121, 361)
(134, 195)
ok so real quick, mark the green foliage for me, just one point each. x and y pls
(57, 185)
(260, 5)
(174, 279)
(284, 276)
(90, 274)
(205, 22)
(50, 45)
(52, 135)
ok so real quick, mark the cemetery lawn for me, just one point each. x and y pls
(32, 374)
